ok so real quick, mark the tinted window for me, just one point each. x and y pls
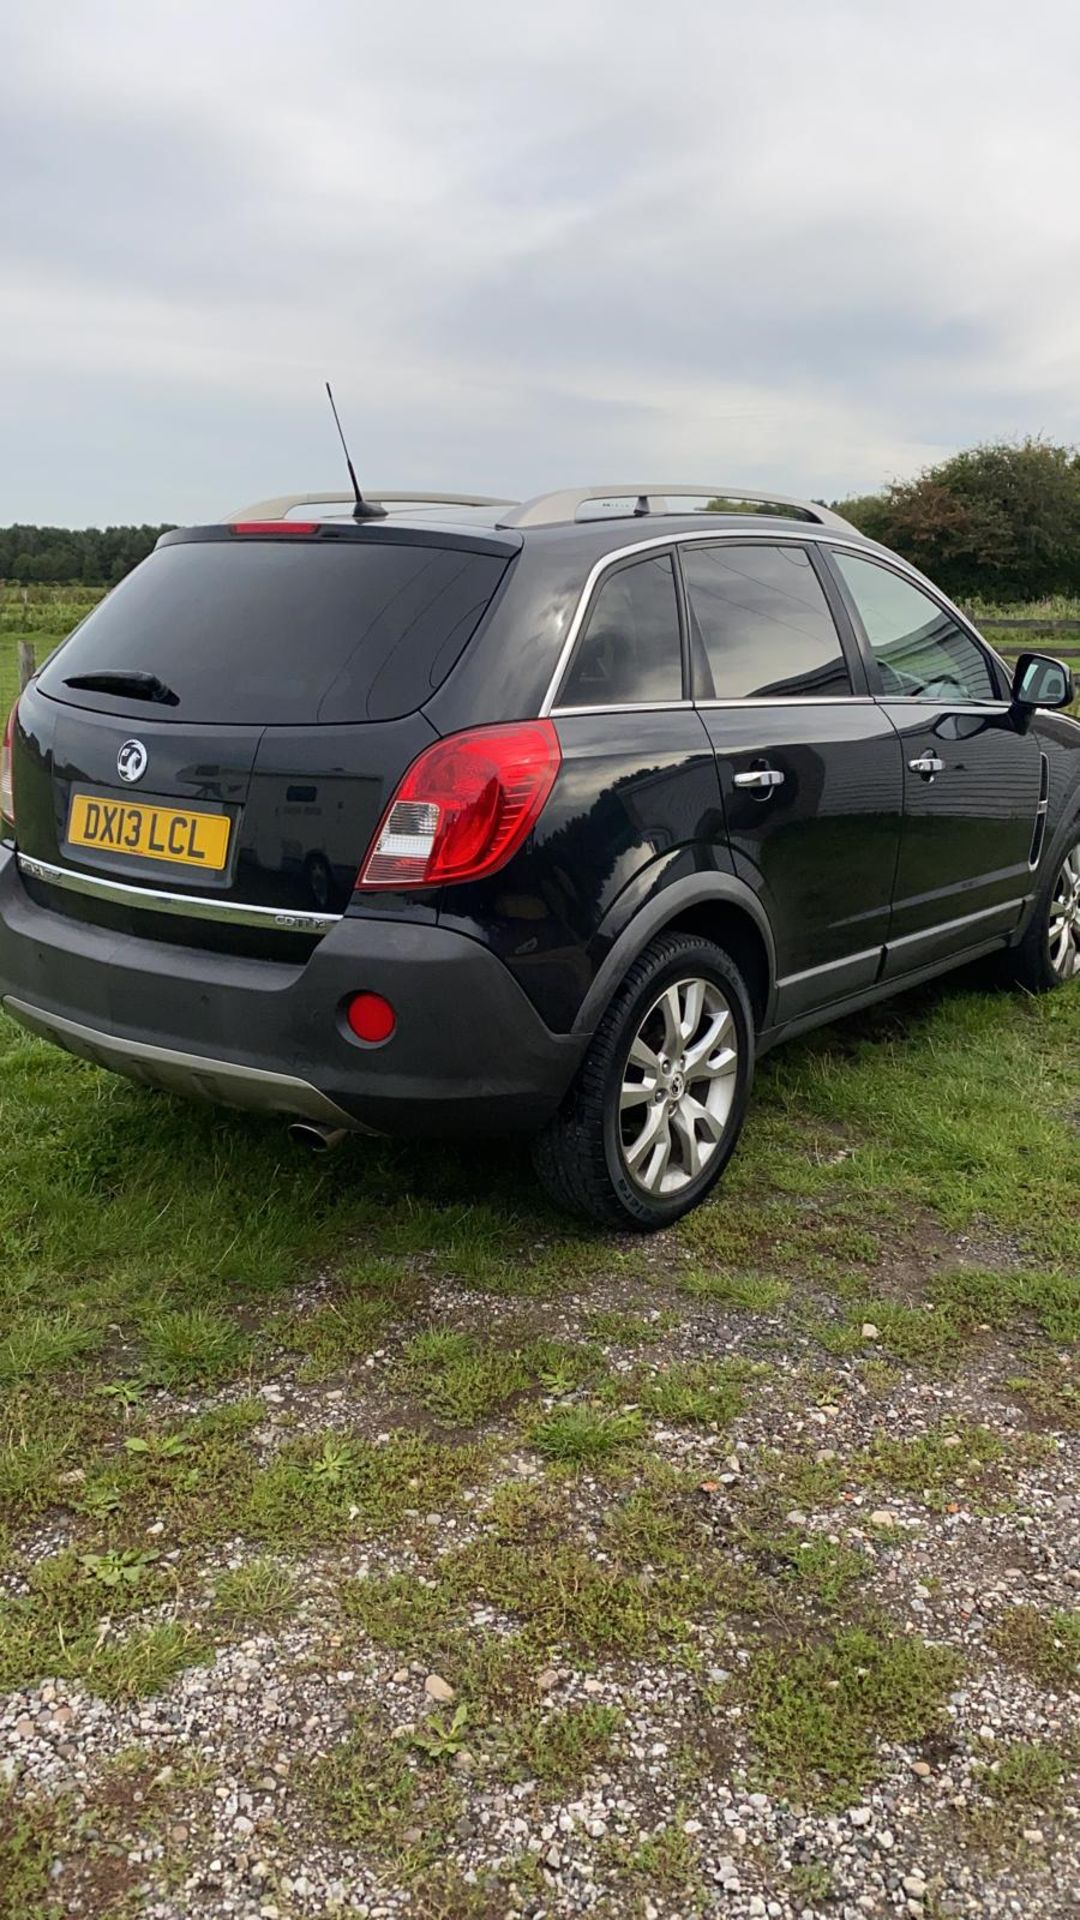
(630, 648)
(765, 622)
(268, 632)
(918, 646)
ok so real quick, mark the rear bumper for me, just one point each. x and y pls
(469, 1053)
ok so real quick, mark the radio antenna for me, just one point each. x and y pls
(364, 509)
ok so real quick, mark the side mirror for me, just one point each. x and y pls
(1041, 681)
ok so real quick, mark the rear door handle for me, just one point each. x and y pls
(760, 777)
(927, 766)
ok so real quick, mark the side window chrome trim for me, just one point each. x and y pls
(800, 536)
(626, 706)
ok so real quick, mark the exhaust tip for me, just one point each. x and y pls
(316, 1137)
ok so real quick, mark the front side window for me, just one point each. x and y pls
(764, 622)
(629, 652)
(921, 651)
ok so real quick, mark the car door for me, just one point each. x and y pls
(971, 777)
(809, 765)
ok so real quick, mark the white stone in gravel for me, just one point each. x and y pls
(881, 1517)
(437, 1688)
(757, 1907)
(1034, 1836)
(869, 1331)
(915, 1885)
(861, 1816)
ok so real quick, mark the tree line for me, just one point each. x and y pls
(94, 556)
(998, 522)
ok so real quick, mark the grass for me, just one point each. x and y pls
(1045, 1645)
(401, 1354)
(818, 1711)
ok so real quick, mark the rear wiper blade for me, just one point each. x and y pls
(142, 686)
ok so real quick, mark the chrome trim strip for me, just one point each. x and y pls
(631, 706)
(193, 907)
(191, 1075)
(966, 920)
(708, 706)
(703, 536)
(831, 966)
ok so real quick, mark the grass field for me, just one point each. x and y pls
(374, 1541)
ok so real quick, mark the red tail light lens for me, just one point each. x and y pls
(274, 527)
(465, 807)
(7, 772)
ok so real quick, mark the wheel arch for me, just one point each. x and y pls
(716, 907)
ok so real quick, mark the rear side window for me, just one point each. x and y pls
(765, 623)
(630, 651)
(274, 632)
(921, 650)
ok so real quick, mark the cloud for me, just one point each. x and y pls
(811, 247)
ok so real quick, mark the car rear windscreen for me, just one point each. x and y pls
(268, 632)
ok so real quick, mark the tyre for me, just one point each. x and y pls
(659, 1100)
(1049, 953)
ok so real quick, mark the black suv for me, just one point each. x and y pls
(478, 816)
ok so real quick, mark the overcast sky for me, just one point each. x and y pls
(813, 245)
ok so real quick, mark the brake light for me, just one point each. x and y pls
(465, 806)
(7, 770)
(274, 526)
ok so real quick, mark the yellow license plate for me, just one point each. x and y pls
(144, 831)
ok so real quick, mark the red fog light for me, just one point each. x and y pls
(371, 1017)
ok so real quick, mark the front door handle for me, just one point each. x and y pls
(927, 766)
(760, 777)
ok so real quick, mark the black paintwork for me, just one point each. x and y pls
(853, 875)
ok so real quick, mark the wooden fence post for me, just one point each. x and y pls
(27, 663)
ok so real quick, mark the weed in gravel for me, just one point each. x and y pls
(776, 1481)
(1045, 1645)
(818, 1711)
(259, 1591)
(665, 1864)
(28, 1838)
(826, 1572)
(338, 1334)
(811, 1883)
(920, 1336)
(621, 1329)
(375, 1792)
(1028, 1774)
(192, 1346)
(1050, 1390)
(584, 1435)
(750, 1292)
(561, 1748)
(706, 1393)
(326, 1487)
(936, 1464)
(462, 1379)
(1001, 1300)
(143, 1662)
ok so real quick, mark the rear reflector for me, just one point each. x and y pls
(465, 806)
(274, 526)
(7, 771)
(371, 1017)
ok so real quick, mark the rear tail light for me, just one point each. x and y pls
(7, 772)
(274, 527)
(465, 806)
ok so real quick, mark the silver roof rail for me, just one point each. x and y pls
(550, 508)
(283, 504)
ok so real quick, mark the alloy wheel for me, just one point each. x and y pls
(1064, 932)
(678, 1087)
